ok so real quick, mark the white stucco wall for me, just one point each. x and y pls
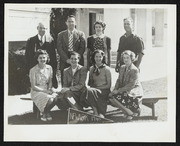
(114, 24)
(22, 22)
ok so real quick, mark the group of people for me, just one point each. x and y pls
(76, 60)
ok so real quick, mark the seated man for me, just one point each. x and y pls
(73, 84)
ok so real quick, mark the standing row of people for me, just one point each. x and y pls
(71, 48)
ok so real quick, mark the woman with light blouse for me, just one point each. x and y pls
(41, 85)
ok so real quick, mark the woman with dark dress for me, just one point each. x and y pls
(128, 90)
(98, 41)
(100, 84)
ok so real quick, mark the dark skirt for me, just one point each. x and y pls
(129, 102)
(96, 98)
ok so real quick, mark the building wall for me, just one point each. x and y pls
(83, 20)
(159, 26)
(114, 24)
(140, 24)
(22, 23)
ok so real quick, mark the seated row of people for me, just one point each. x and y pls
(76, 94)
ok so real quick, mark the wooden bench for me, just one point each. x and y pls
(150, 102)
(147, 101)
(35, 109)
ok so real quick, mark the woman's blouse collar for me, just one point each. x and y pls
(101, 36)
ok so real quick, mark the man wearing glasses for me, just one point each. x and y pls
(44, 42)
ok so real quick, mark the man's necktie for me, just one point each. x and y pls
(71, 42)
(41, 41)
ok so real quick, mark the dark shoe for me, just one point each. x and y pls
(125, 116)
(129, 118)
(48, 117)
(43, 118)
(137, 113)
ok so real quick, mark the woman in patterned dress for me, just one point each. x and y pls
(128, 89)
(41, 85)
(98, 41)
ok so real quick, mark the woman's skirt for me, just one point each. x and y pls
(128, 101)
(96, 98)
(40, 99)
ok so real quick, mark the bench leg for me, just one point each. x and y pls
(36, 111)
(153, 111)
(152, 106)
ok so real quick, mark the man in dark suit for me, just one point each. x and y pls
(70, 40)
(44, 42)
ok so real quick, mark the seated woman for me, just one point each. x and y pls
(73, 84)
(100, 84)
(128, 89)
(41, 85)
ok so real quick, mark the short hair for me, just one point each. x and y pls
(41, 24)
(100, 23)
(130, 53)
(71, 16)
(75, 53)
(93, 55)
(41, 52)
(129, 19)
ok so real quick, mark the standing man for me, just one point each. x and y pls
(70, 40)
(44, 42)
(129, 41)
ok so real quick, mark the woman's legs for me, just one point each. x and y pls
(116, 103)
(50, 104)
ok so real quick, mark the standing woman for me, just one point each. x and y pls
(128, 89)
(98, 41)
(100, 84)
(41, 85)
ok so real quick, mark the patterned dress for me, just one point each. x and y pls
(130, 88)
(99, 44)
(102, 43)
(41, 78)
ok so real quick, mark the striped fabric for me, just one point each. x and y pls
(70, 42)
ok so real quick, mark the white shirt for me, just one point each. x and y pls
(69, 33)
(74, 70)
(43, 38)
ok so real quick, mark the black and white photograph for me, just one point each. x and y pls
(94, 72)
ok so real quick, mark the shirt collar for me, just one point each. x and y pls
(75, 68)
(72, 31)
(43, 37)
(132, 34)
(46, 66)
(101, 36)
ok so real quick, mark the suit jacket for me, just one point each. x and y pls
(63, 46)
(75, 82)
(128, 81)
(33, 44)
